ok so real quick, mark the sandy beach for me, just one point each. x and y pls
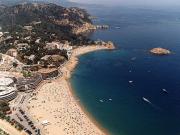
(55, 103)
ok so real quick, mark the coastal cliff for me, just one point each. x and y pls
(73, 19)
(29, 27)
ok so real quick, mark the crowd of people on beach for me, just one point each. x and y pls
(62, 111)
(55, 103)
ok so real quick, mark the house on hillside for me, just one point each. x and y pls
(52, 60)
(28, 28)
(12, 52)
(22, 46)
(53, 46)
(1, 34)
(31, 58)
(45, 61)
(63, 47)
(36, 22)
(58, 45)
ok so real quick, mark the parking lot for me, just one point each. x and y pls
(22, 117)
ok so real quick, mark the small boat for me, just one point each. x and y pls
(130, 71)
(110, 99)
(101, 101)
(134, 58)
(130, 81)
(164, 90)
(117, 27)
(146, 100)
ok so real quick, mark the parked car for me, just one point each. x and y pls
(29, 132)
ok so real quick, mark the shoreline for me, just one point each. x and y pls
(89, 115)
(67, 116)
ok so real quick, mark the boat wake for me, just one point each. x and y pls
(150, 103)
(165, 91)
(146, 100)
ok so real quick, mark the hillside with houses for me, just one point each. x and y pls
(37, 33)
(39, 45)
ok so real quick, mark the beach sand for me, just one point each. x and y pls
(55, 103)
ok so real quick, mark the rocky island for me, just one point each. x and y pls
(39, 48)
(160, 51)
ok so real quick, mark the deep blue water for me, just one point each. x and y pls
(105, 75)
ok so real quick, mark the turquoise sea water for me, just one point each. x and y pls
(101, 80)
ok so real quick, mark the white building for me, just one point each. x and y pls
(7, 90)
(28, 28)
(32, 57)
(58, 45)
(12, 52)
(22, 46)
(4, 81)
(53, 45)
(1, 34)
(7, 93)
